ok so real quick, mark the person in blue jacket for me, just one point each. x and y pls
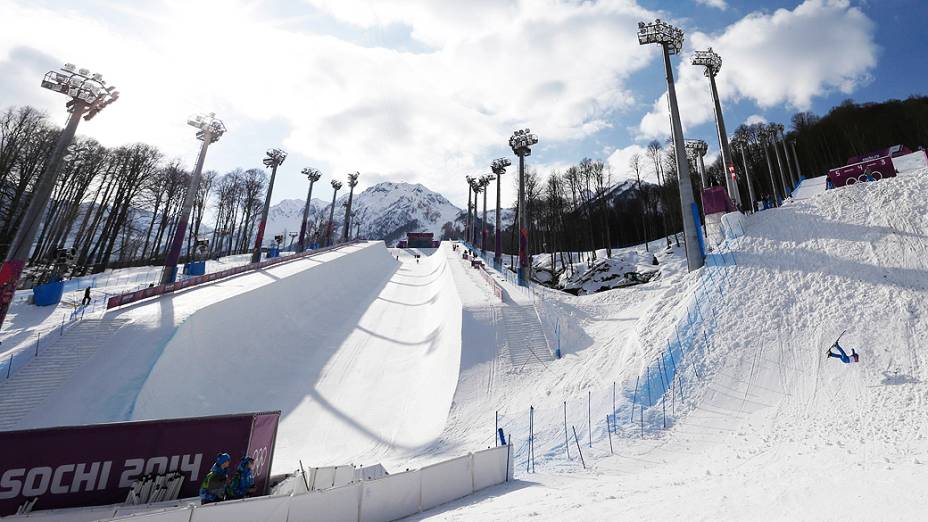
(243, 480)
(213, 487)
(845, 358)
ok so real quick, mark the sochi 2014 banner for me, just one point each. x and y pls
(96, 464)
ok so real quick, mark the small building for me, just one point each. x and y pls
(418, 240)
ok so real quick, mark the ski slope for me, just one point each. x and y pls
(772, 430)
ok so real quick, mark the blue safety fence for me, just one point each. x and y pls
(642, 406)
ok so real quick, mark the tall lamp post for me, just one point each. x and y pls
(743, 146)
(792, 146)
(313, 176)
(697, 149)
(470, 189)
(773, 184)
(352, 183)
(336, 186)
(499, 168)
(521, 144)
(478, 188)
(774, 132)
(713, 63)
(484, 183)
(671, 41)
(792, 176)
(275, 157)
(210, 130)
(88, 95)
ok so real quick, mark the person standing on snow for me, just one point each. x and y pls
(86, 300)
(213, 487)
(243, 480)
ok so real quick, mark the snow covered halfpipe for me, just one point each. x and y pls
(361, 356)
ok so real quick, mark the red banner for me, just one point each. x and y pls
(96, 464)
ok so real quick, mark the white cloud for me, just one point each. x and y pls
(429, 117)
(782, 57)
(718, 4)
(755, 118)
(620, 162)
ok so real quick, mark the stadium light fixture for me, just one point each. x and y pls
(273, 159)
(484, 183)
(499, 168)
(336, 186)
(712, 64)
(670, 39)
(742, 145)
(521, 143)
(352, 183)
(210, 129)
(89, 94)
(313, 176)
(697, 149)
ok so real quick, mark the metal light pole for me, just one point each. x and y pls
(713, 63)
(485, 182)
(697, 149)
(336, 186)
(499, 168)
(478, 188)
(275, 157)
(792, 175)
(773, 183)
(792, 145)
(88, 95)
(671, 40)
(470, 188)
(747, 171)
(774, 132)
(313, 176)
(521, 144)
(211, 129)
(352, 183)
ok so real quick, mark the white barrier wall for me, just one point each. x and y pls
(334, 505)
(390, 498)
(380, 500)
(446, 481)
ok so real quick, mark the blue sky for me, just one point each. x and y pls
(429, 90)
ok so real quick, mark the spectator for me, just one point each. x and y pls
(243, 480)
(213, 487)
(86, 300)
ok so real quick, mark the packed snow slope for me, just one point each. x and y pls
(771, 429)
(360, 355)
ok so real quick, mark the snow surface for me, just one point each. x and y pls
(377, 359)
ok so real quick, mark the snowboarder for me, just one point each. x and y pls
(86, 300)
(845, 358)
(213, 487)
(243, 480)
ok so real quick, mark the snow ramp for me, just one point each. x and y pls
(360, 355)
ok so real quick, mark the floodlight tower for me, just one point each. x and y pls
(789, 166)
(88, 95)
(696, 149)
(478, 189)
(743, 146)
(499, 168)
(764, 135)
(484, 183)
(336, 186)
(210, 130)
(275, 157)
(671, 40)
(521, 144)
(792, 146)
(713, 63)
(470, 188)
(774, 133)
(313, 176)
(352, 183)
